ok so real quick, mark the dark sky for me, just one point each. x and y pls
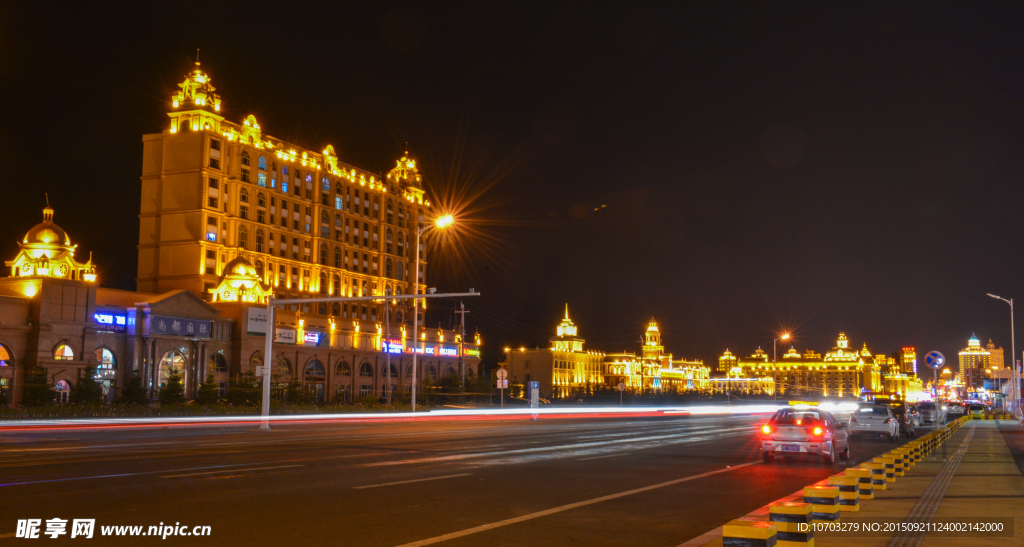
(731, 169)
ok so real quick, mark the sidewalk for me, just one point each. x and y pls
(973, 475)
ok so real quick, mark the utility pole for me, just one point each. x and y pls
(462, 340)
(387, 344)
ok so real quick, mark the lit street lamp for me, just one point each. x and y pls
(775, 366)
(440, 222)
(1013, 349)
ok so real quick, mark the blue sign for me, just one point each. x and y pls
(935, 360)
(175, 326)
(111, 322)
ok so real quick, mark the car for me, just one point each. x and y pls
(974, 409)
(877, 420)
(915, 413)
(903, 415)
(932, 413)
(811, 432)
(954, 409)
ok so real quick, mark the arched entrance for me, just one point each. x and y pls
(172, 361)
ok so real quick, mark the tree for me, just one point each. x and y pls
(207, 391)
(133, 393)
(37, 390)
(173, 392)
(87, 391)
(245, 392)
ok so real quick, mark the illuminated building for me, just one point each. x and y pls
(566, 368)
(46, 252)
(996, 360)
(974, 360)
(727, 362)
(840, 372)
(906, 358)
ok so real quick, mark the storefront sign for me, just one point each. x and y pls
(110, 322)
(393, 346)
(257, 323)
(175, 326)
(471, 352)
(312, 337)
(448, 352)
(284, 336)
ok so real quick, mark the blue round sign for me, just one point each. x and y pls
(935, 359)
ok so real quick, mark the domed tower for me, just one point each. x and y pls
(196, 105)
(241, 283)
(652, 341)
(408, 178)
(46, 251)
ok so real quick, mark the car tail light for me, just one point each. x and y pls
(817, 431)
(767, 430)
(888, 421)
(853, 420)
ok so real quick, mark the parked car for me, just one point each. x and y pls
(915, 413)
(876, 420)
(809, 432)
(954, 408)
(975, 409)
(932, 413)
(902, 413)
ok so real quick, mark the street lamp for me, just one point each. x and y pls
(775, 366)
(1013, 349)
(440, 222)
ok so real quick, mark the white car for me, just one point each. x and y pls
(877, 420)
(806, 432)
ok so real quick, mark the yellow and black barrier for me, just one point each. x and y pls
(792, 519)
(897, 461)
(877, 474)
(749, 533)
(864, 486)
(890, 467)
(824, 502)
(849, 494)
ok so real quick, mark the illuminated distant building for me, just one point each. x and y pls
(840, 372)
(727, 362)
(996, 360)
(974, 360)
(906, 359)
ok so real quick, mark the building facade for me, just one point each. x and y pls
(996, 360)
(974, 362)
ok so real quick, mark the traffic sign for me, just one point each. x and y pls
(621, 386)
(935, 360)
(502, 374)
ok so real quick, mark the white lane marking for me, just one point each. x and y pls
(561, 508)
(599, 457)
(228, 471)
(407, 482)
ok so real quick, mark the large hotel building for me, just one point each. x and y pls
(230, 216)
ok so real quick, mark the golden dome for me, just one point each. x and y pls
(46, 232)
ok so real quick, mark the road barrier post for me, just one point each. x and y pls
(864, 486)
(793, 520)
(749, 533)
(824, 502)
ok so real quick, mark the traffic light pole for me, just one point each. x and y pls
(268, 348)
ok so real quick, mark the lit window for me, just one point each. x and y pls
(337, 203)
(284, 186)
(243, 237)
(261, 180)
(106, 359)
(64, 353)
(284, 169)
(5, 357)
(263, 163)
(214, 163)
(325, 184)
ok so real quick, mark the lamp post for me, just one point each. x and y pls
(775, 366)
(441, 222)
(1013, 348)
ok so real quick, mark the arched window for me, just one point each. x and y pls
(245, 157)
(398, 317)
(259, 263)
(343, 369)
(323, 254)
(449, 371)
(337, 221)
(408, 371)
(259, 247)
(323, 283)
(106, 359)
(325, 184)
(387, 242)
(336, 287)
(217, 363)
(401, 246)
(63, 391)
(172, 361)
(284, 366)
(243, 196)
(255, 361)
(336, 309)
(432, 373)
(394, 371)
(469, 372)
(314, 371)
(337, 258)
(263, 163)
(243, 237)
(365, 370)
(63, 352)
(261, 200)
(387, 268)
(399, 273)
(324, 218)
(6, 359)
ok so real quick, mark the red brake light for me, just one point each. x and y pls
(817, 431)
(766, 429)
(799, 422)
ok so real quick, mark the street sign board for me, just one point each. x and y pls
(621, 386)
(502, 374)
(935, 360)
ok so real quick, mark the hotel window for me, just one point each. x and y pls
(243, 212)
(211, 229)
(366, 264)
(387, 269)
(284, 169)
(259, 241)
(211, 202)
(214, 163)
(284, 186)
(401, 216)
(243, 237)
(261, 200)
(336, 289)
(245, 175)
(337, 257)
(261, 180)
(325, 184)
(213, 182)
(387, 244)
(214, 144)
(337, 202)
(245, 158)
(263, 164)
(323, 254)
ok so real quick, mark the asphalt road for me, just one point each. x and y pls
(637, 481)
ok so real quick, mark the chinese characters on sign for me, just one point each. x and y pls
(30, 528)
(177, 326)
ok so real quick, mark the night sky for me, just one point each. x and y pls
(731, 170)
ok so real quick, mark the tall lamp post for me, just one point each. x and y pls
(775, 366)
(441, 222)
(1013, 348)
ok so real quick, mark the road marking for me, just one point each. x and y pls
(599, 457)
(228, 471)
(561, 508)
(407, 482)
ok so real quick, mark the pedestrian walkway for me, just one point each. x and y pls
(971, 477)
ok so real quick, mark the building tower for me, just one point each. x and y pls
(974, 359)
(652, 341)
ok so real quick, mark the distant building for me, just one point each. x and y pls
(996, 360)
(727, 362)
(906, 359)
(974, 360)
